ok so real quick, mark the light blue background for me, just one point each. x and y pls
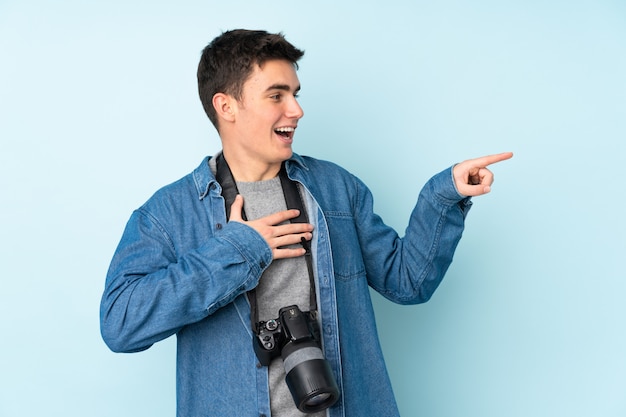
(98, 108)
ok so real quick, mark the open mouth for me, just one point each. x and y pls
(286, 132)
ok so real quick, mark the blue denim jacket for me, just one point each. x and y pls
(181, 269)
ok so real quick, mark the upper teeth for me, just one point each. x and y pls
(285, 129)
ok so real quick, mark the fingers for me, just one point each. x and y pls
(275, 230)
(490, 159)
(289, 229)
(282, 238)
(273, 219)
(472, 178)
(281, 216)
(475, 187)
(284, 251)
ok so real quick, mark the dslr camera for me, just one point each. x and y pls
(294, 337)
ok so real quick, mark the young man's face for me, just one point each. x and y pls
(267, 115)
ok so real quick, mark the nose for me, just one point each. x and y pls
(294, 110)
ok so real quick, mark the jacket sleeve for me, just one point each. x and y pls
(408, 270)
(152, 291)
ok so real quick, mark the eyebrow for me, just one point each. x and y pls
(282, 87)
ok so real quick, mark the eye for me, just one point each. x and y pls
(276, 97)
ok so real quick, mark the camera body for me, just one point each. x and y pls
(291, 326)
(294, 337)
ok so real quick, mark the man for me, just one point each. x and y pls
(183, 267)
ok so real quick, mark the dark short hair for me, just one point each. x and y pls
(229, 59)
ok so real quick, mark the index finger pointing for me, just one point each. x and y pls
(492, 159)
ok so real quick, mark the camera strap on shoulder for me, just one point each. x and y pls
(293, 200)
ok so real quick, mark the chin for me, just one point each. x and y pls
(286, 154)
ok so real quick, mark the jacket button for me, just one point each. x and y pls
(218, 226)
(262, 264)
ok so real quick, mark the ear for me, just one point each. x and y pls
(225, 106)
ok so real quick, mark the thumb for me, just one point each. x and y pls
(236, 208)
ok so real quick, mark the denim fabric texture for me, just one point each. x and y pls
(181, 268)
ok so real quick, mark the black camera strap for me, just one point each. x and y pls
(293, 199)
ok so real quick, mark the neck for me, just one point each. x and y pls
(251, 170)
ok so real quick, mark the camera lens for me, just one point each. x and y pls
(317, 400)
(308, 374)
(309, 377)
